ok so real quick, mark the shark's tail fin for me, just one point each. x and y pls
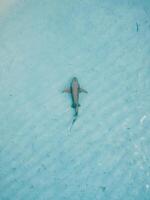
(74, 120)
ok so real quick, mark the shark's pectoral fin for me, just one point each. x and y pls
(67, 90)
(83, 90)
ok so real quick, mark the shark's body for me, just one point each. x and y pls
(75, 89)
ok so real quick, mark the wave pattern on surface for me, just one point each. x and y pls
(106, 155)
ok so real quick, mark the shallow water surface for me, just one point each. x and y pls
(106, 44)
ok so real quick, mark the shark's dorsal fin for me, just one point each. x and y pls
(82, 90)
(67, 90)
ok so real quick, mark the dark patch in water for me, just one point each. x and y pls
(103, 188)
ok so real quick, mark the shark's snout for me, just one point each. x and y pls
(74, 79)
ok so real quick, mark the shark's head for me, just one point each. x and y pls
(75, 79)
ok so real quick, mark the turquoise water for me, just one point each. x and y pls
(106, 156)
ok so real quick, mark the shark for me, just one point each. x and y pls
(75, 90)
